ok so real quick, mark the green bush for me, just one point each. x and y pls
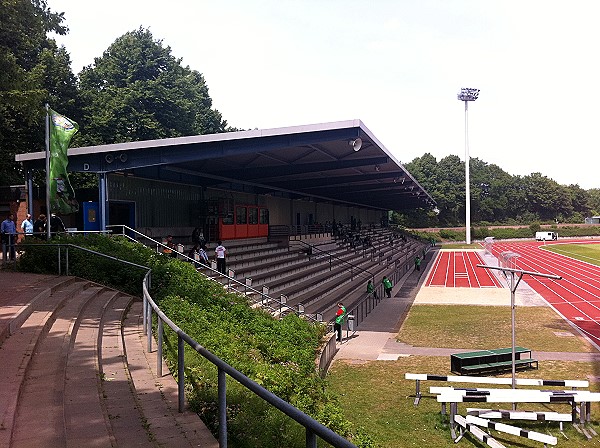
(453, 235)
(535, 227)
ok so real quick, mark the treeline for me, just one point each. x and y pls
(135, 90)
(497, 198)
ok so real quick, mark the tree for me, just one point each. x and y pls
(580, 203)
(33, 71)
(138, 91)
(495, 197)
(594, 195)
(544, 196)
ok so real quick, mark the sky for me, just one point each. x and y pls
(397, 65)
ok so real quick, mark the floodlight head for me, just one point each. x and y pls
(468, 94)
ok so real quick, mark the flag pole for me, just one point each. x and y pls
(47, 172)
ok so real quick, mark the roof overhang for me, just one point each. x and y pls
(315, 161)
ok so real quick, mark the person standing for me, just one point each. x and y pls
(418, 263)
(196, 236)
(220, 254)
(27, 225)
(56, 224)
(371, 289)
(387, 286)
(8, 230)
(39, 227)
(340, 316)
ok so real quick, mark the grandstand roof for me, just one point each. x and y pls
(315, 161)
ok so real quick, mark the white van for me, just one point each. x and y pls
(546, 236)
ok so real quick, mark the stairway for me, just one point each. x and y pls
(75, 371)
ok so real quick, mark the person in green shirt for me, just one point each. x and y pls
(371, 289)
(339, 321)
(387, 286)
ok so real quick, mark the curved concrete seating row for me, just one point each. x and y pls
(75, 371)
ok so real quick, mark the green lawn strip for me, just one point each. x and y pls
(458, 246)
(589, 253)
(376, 396)
(489, 327)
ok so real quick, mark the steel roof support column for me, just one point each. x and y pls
(103, 200)
(29, 180)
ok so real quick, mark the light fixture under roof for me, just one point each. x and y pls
(356, 143)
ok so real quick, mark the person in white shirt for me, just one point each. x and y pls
(220, 254)
(27, 225)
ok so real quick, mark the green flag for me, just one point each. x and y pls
(62, 195)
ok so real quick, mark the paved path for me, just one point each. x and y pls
(376, 337)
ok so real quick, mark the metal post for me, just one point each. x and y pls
(466, 95)
(59, 269)
(222, 397)
(30, 194)
(48, 214)
(67, 261)
(102, 200)
(417, 392)
(311, 439)
(159, 346)
(149, 329)
(144, 316)
(180, 372)
(513, 331)
(467, 178)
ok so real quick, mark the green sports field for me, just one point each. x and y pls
(589, 253)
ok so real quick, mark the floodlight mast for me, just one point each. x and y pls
(466, 95)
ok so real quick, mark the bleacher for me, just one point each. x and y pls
(320, 274)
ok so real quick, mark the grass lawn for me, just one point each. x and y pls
(462, 326)
(376, 396)
(589, 253)
(459, 246)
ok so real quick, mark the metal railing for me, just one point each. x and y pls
(312, 427)
(310, 249)
(261, 298)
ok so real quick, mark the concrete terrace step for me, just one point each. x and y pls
(157, 396)
(39, 417)
(74, 375)
(85, 421)
(20, 293)
(19, 349)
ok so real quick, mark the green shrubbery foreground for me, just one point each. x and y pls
(278, 354)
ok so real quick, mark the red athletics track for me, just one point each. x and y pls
(576, 297)
(459, 269)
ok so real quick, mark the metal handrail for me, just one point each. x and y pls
(264, 300)
(313, 428)
(341, 260)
